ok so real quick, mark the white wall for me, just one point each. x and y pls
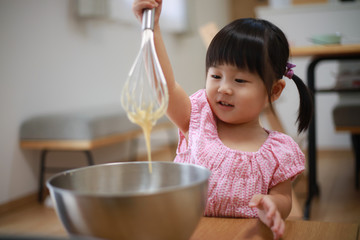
(299, 24)
(51, 61)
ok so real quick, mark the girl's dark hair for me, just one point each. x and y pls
(262, 48)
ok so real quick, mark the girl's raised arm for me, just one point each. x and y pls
(179, 102)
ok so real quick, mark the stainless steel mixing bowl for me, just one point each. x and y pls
(125, 201)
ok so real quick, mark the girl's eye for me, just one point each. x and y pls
(215, 76)
(240, 80)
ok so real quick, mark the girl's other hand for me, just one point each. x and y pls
(268, 214)
(140, 5)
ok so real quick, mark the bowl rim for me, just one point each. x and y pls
(126, 194)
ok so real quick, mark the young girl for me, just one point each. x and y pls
(219, 126)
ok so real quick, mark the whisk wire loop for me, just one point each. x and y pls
(145, 93)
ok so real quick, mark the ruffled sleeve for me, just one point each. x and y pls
(199, 110)
(289, 160)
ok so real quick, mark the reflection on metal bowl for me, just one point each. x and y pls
(125, 201)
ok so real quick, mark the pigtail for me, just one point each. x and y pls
(306, 106)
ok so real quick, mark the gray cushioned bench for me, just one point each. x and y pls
(347, 118)
(83, 130)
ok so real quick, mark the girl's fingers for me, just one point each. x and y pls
(282, 228)
(276, 237)
(279, 234)
(271, 212)
(278, 227)
(139, 6)
(255, 201)
(270, 216)
(276, 223)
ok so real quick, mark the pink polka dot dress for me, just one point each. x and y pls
(236, 175)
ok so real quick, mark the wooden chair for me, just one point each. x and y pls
(81, 131)
(347, 118)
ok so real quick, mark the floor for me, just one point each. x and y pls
(338, 200)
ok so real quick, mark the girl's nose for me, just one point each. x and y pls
(225, 88)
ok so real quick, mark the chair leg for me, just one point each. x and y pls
(42, 173)
(355, 139)
(133, 149)
(89, 157)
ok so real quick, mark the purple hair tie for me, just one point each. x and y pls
(289, 72)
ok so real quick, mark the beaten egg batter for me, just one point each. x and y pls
(146, 119)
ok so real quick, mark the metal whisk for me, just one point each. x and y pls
(145, 95)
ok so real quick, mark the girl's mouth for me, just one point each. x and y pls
(225, 104)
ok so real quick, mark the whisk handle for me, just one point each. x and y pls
(148, 19)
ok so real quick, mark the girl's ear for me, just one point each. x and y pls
(277, 89)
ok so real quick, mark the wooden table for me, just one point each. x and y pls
(325, 50)
(319, 53)
(237, 228)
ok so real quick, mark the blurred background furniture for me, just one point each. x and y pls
(82, 131)
(347, 118)
(320, 53)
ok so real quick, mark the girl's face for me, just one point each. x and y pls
(235, 96)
